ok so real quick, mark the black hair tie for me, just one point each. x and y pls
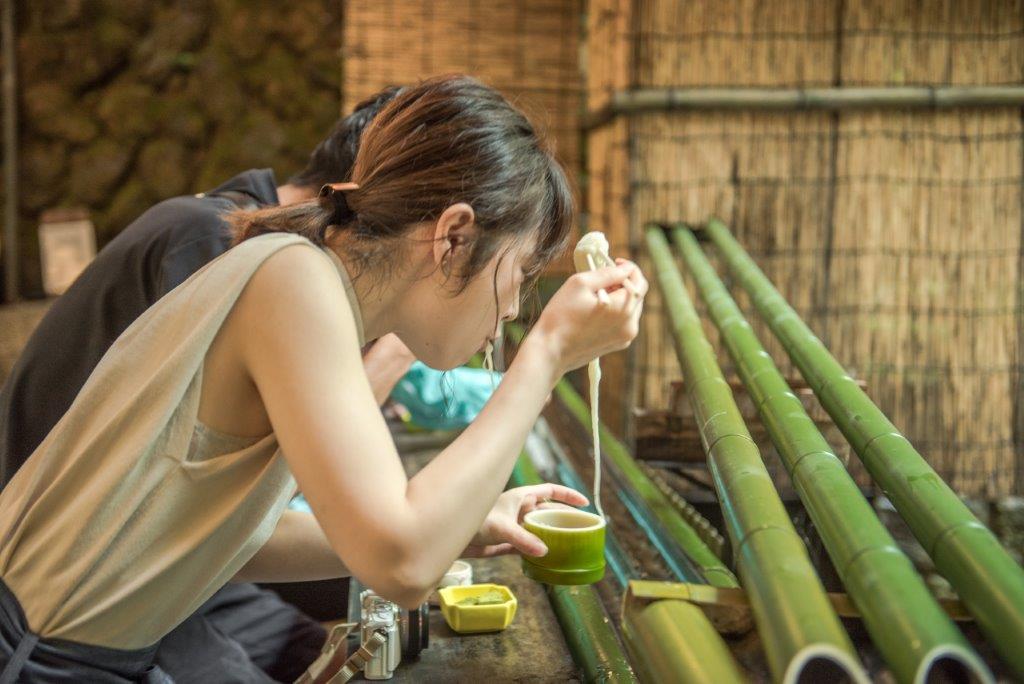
(334, 201)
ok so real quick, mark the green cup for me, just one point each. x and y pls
(575, 541)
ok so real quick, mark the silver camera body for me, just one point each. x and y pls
(380, 615)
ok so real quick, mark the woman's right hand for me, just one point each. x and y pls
(577, 327)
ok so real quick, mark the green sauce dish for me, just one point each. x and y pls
(575, 541)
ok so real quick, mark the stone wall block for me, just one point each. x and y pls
(164, 168)
(176, 35)
(128, 109)
(96, 170)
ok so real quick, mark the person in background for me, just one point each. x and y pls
(243, 633)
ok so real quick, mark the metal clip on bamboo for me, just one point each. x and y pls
(798, 627)
(967, 554)
(909, 627)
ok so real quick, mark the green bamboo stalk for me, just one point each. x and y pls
(908, 626)
(989, 581)
(586, 627)
(622, 565)
(794, 617)
(673, 641)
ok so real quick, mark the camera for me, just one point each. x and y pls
(406, 632)
(379, 614)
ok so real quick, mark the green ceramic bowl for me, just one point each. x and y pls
(575, 541)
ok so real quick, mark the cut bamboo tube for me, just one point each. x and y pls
(584, 623)
(967, 554)
(621, 564)
(798, 627)
(906, 623)
(680, 533)
(673, 641)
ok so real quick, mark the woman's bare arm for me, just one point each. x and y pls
(297, 551)
(398, 536)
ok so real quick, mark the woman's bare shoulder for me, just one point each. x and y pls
(296, 290)
(298, 269)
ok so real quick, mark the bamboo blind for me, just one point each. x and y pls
(897, 235)
(528, 49)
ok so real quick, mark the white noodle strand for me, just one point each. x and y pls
(489, 362)
(594, 372)
(591, 253)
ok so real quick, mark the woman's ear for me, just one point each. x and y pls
(454, 232)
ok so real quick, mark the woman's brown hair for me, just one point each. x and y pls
(447, 140)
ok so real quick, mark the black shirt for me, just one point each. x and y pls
(148, 259)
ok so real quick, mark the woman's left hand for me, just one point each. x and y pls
(502, 533)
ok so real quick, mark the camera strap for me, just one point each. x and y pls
(327, 669)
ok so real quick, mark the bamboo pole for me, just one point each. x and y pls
(708, 533)
(586, 626)
(797, 625)
(673, 641)
(910, 629)
(670, 640)
(967, 554)
(803, 99)
(621, 565)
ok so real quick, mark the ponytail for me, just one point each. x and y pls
(310, 219)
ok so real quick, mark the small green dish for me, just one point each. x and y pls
(575, 541)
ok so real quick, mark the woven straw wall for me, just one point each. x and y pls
(528, 49)
(897, 235)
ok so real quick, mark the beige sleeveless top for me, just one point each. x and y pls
(131, 513)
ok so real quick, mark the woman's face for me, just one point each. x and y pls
(448, 326)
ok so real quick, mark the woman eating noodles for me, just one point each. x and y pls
(169, 474)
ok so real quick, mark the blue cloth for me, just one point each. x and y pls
(299, 503)
(444, 400)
